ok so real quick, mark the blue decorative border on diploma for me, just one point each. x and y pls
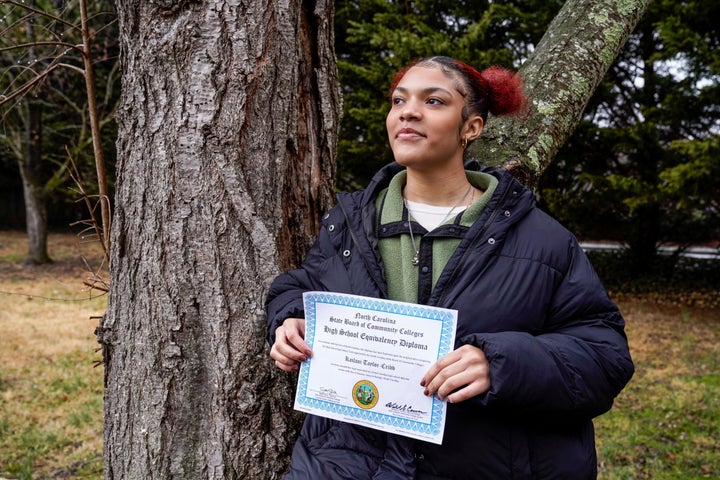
(447, 335)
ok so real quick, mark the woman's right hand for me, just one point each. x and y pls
(290, 349)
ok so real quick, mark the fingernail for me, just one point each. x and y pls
(426, 392)
(422, 383)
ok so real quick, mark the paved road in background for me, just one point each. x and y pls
(699, 252)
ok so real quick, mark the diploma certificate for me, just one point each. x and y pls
(369, 356)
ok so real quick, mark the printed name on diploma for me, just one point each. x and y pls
(369, 363)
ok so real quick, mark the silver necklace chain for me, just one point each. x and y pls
(416, 258)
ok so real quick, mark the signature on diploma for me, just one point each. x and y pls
(327, 394)
(404, 408)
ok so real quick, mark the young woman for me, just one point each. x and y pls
(540, 348)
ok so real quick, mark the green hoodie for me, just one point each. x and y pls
(397, 250)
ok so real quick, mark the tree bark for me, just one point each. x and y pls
(34, 192)
(227, 136)
(568, 64)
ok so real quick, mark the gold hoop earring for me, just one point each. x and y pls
(464, 143)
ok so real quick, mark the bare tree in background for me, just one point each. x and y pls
(39, 44)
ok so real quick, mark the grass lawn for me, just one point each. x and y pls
(665, 424)
(50, 392)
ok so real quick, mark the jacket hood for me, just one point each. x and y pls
(382, 178)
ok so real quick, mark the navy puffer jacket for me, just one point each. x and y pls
(526, 295)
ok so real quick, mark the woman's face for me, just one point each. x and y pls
(425, 122)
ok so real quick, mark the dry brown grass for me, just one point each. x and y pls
(46, 310)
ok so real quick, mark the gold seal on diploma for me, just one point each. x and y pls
(365, 394)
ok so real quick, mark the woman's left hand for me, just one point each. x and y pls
(459, 375)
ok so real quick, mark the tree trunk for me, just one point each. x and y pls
(569, 62)
(227, 136)
(34, 191)
(35, 222)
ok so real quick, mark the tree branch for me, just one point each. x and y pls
(37, 44)
(41, 12)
